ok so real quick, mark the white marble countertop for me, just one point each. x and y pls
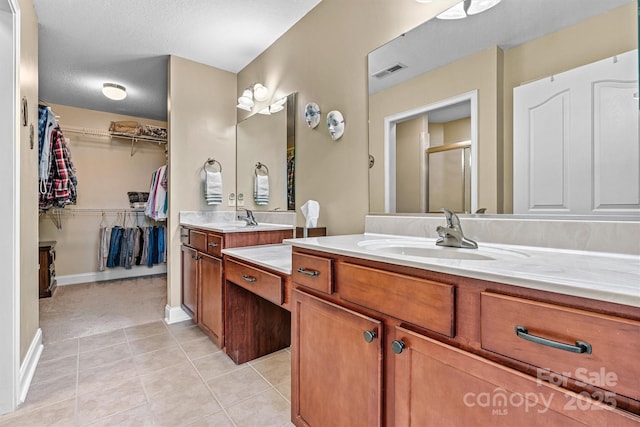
(596, 275)
(235, 226)
(274, 257)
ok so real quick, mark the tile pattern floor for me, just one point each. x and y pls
(154, 374)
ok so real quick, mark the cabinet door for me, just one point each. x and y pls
(210, 310)
(439, 385)
(336, 372)
(190, 282)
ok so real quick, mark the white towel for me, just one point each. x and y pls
(213, 188)
(261, 190)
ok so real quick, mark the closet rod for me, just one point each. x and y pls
(68, 211)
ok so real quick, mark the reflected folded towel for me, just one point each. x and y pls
(213, 188)
(261, 190)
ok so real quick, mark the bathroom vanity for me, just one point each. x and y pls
(391, 330)
(202, 266)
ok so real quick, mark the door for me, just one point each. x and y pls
(438, 385)
(575, 141)
(190, 281)
(336, 365)
(211, 298)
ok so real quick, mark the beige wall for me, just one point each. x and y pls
(323, 58)
(445, 82)
(589, 41)
(28, 233)
(106, 171)
(457, 131)
(202, 120)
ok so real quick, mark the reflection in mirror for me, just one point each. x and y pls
(265, 158)
(492, 53)
(428, 153)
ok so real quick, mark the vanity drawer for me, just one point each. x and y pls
(614, 341)
(312, 271)
(198, 240)
(268, 286)
(422, 302)
(214, 244)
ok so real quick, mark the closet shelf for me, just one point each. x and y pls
(118, 135)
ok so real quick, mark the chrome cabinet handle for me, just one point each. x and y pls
(249, 279)
(579, 347)
(213, 245)
(397, 346)
(312, 273)
(369, 336)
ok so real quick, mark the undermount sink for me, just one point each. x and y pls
(226, 225)
(428, 249)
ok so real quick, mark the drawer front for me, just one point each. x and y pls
(421, 302)
(198, 240)
(268, 286)
(312, 271)
(614, 342)
(214, 244)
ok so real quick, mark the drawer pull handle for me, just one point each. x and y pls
(579, 347)
(398, 346)
(369, 336)
(312, 273)
(249, 279)
(213, 245)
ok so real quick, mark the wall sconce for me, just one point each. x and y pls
(256, 91)
(466, 8)
(114, 91)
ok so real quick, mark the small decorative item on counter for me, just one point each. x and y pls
(335, 123)
(312, 114)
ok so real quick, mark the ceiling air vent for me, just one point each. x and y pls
(389, 70)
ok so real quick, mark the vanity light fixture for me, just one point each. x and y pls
(275, 107)
(256, 91)
(114, 91)
(466, 8)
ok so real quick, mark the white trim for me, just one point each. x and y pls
(390, 146)
(28, 368)
(119, 273)
(175, 314)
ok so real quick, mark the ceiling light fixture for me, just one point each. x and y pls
(114, 91)
(466, 8)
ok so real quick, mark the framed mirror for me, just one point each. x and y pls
(265, 159)
(492, 53)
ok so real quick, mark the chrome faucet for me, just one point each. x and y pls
(249, 219)
(452, 235)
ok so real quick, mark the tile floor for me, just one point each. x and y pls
(153, 374)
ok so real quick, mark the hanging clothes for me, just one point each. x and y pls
(158, 202)
(57, 174)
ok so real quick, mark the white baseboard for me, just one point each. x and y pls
(111, 274)
(175, 315)
(28, 366)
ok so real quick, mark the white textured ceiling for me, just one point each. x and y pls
(84, 43)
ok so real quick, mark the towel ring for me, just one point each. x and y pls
(212, 162)
(260, 166)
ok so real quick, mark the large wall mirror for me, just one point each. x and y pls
(265, 159)
(432, 151)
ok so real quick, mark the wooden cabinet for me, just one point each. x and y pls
(439, 385)
(211, 301)
(202, 272)
(336, 365)
(257, 317)
(47, 270)
(190, 281)
(447, 352)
